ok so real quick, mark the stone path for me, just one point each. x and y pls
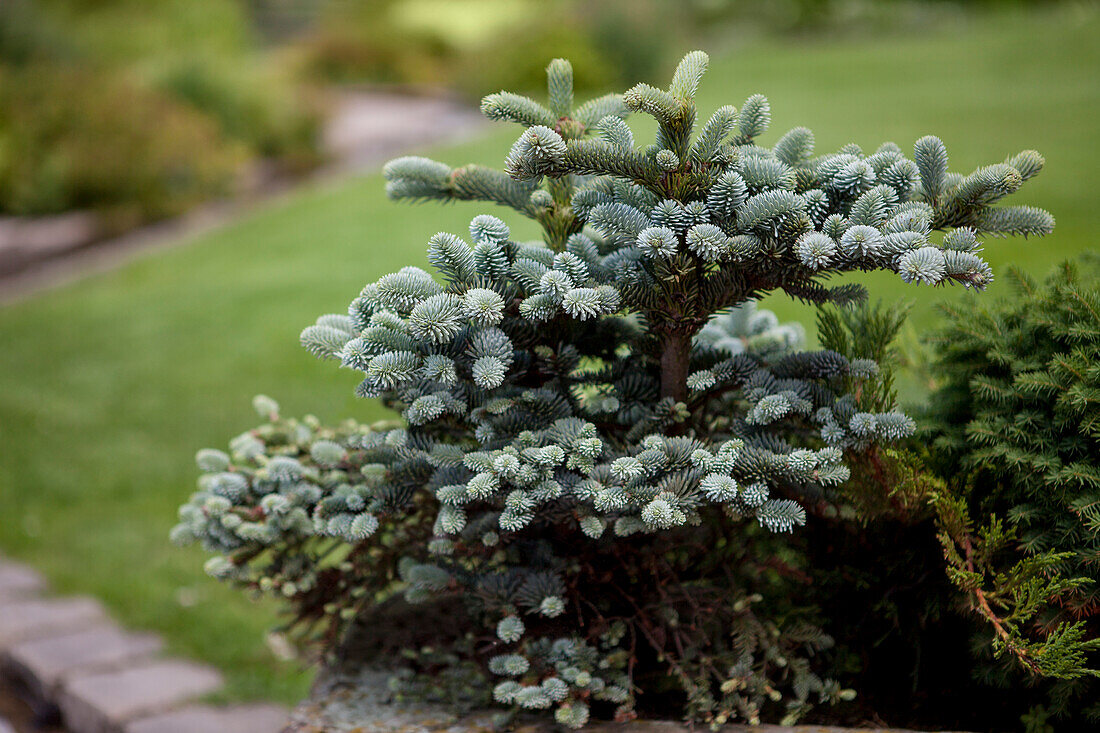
(68, 656)
(365, 129)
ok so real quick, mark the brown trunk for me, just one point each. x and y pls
(675, 360)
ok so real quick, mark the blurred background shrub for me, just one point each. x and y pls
(74, 139)
(358, 43)
(616, 44)
(255, 105)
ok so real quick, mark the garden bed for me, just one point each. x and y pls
(349, 700)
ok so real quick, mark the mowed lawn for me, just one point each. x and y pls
(109, 386)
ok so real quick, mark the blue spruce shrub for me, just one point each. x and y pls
(602, 442)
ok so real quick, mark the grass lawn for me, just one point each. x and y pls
(109, 386)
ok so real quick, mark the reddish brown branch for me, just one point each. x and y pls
(983, 608)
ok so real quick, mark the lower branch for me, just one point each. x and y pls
(982, 607)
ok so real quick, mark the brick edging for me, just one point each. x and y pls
(67, 653)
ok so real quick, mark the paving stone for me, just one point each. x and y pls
(18, 582)
(103, 702)
(35, 619)
(236, 719)
(43, 663)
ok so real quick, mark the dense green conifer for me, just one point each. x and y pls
(1016, 421)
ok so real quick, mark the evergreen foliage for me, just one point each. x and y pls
(602, 440)
(1016, 422)
(881, 563)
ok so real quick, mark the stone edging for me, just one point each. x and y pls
(69, 656)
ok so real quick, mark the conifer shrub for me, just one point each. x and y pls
(999, 483)
(602, 445)
(1016, 422)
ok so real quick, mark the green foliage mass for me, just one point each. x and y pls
(1016, 421)
(997, 490)
(589, 459)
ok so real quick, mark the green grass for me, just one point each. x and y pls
(109, 386)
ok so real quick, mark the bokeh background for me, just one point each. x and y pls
(129, 112)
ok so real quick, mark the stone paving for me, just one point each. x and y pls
(67, 653)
